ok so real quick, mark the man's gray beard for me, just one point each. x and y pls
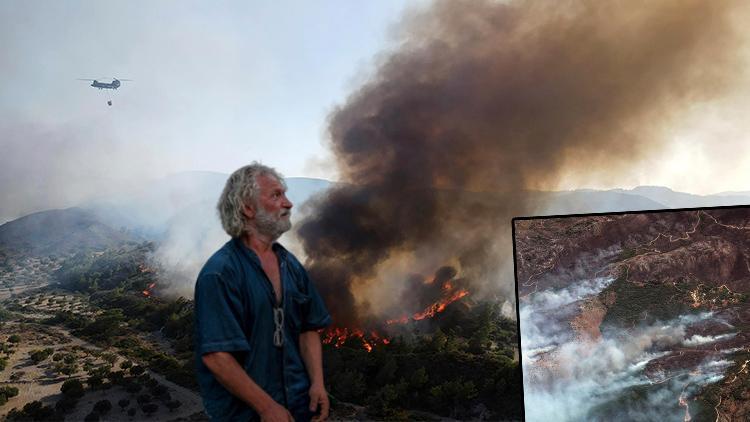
(270, 225)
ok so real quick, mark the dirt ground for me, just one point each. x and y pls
(41, 382)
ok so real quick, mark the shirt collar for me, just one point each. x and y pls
(277, 248)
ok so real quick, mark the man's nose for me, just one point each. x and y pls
(287, 203)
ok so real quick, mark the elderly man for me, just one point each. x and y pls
(257, 313)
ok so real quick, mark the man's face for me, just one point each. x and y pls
(273, 209)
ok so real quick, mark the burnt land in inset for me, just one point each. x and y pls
(663, 266)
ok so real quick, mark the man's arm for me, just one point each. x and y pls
(230, 374)
(312, 355)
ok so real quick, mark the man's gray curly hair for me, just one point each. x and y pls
(242, 189)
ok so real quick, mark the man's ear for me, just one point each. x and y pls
(248, 211)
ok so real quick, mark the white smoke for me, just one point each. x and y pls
(698, 340)
(569, 379)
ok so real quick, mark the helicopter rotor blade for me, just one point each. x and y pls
(86, 79)
(129, 80)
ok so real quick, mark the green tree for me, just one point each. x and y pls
(95, 382)
(66, 404)
(34, 411)
(439, 340)
(9, 391)
(123, 403)
(149, 408)
(419, 379)
(385, 400)
(73, 388)
(69, 369)
(348, 385)
(116, 377)
(103, 407)
(387, 372)
(453, 395)
(40, 355)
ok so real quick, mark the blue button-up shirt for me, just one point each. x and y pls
(234, 302)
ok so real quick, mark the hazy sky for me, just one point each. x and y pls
(216, 85)
(219, 84)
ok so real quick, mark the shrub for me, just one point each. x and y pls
(95, 382)
(143, 398)
(137, 370)
(103, 407)
(133, 387)
(9, 391)
(159, 390)
(66, 404)
(149, 408)
(34, 411)
(73, 388)
(40, 355)
(92, 417)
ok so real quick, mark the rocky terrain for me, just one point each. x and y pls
(654, 304)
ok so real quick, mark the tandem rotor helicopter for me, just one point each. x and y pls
(106, 85)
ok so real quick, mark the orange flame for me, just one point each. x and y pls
(147, 292)
(145, 269)
(439, 306)
(431, 310)
(403, 320)
(338, 336)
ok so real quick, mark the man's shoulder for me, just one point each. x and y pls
(223, 262)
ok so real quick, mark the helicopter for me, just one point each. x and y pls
(106, 85)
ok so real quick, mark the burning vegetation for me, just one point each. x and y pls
(442, 286)
(148, 290)
(338, 336)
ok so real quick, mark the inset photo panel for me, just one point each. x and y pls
(637, 316)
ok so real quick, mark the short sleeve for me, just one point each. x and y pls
(317, 315)
(218, 316)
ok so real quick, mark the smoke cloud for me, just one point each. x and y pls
(483, 101)
(47, 165)
(608, 378)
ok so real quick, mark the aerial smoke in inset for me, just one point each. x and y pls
(486, 100)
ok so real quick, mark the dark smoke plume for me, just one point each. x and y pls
(485, 100)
